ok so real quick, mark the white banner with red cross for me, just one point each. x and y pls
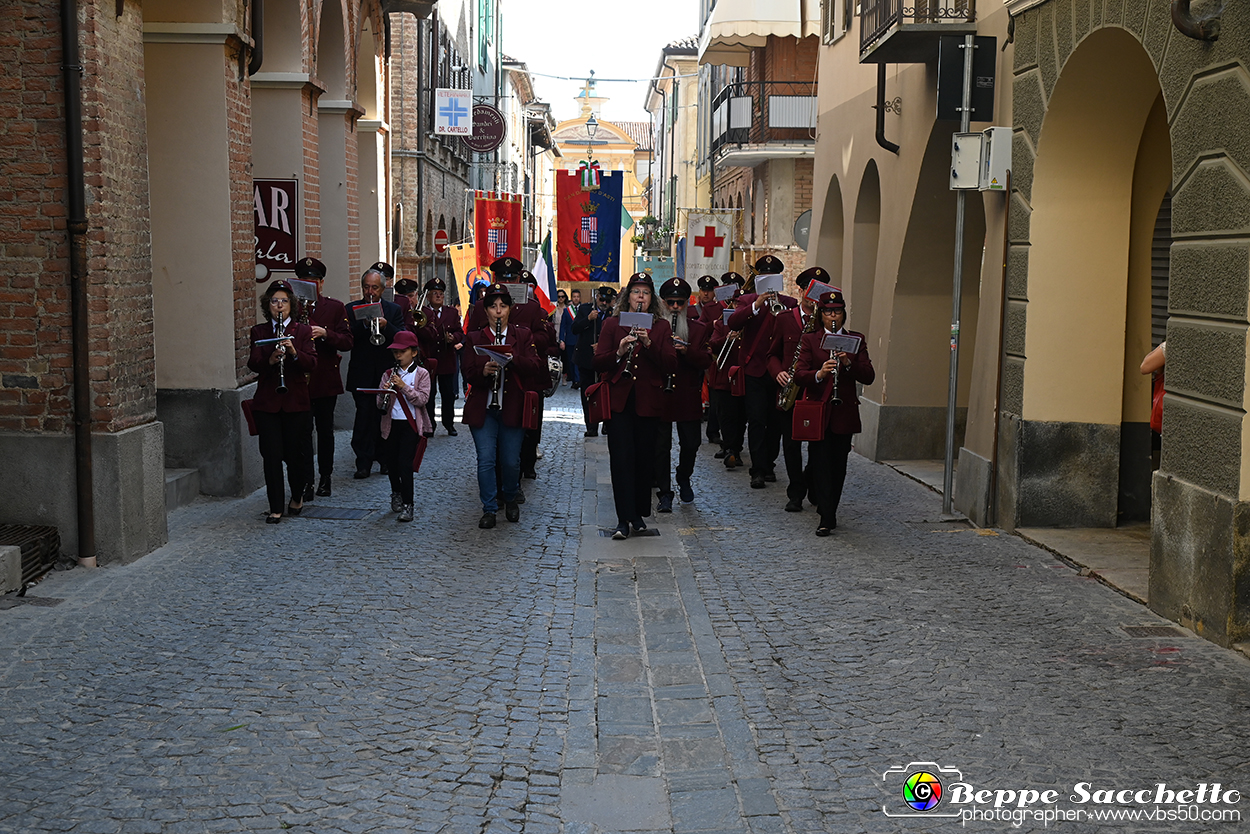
(709, 241)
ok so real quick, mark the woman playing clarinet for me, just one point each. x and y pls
(634, 362)
(282, 356)
(830, 376)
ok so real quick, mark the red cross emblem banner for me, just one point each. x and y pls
(709, 241)
(496, 227)
(588, 228)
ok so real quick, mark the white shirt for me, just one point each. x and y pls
(410, 379)
(285, 324)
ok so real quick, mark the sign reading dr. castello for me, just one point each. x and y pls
(276, 209)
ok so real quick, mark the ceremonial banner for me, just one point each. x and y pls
(546, 276)
(709, 240)
(496, 226)
(463, 263)
(588, 228)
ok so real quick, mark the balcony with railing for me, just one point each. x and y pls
(755, 121)
(907, 31)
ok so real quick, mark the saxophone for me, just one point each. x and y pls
(790, 393)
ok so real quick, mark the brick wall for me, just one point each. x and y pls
(242, 217)
(312, 177)
(35, 382)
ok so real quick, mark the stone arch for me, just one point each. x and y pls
(830, 242)
(332, 51)
(368, 72)
(284, 43)
(865, 237)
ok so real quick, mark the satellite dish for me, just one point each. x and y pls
(803, 229)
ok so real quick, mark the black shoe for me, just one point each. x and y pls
(823, 531)
(638, 525)
(713, 438)
(308, 491)
(621, 533)
(721, 454)
(520, 496)
(685, 493)
(794, 506)
(451, 431)
(272, 519)
(487, 521)
(666, 503)
(512, 511)
(361, 473)
(757, 482)
(294, 510)
(530, 474)
(323, 488)
(405, 513)
(429, 433)
(731, 461)
(397, 503)
(770, 477)
(590, 433)
(383, 469)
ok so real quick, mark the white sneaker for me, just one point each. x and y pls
(538, 452)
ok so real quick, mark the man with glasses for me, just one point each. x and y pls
(684, 395)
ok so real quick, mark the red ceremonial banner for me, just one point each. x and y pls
(496, 227)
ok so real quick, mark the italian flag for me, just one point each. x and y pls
(546, 277)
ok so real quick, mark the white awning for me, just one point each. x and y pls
(736, 26)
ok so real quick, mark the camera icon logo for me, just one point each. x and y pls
(921, 789)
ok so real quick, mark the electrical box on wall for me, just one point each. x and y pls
(966, 152)
(996, 159)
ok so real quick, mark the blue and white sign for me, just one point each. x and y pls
(453, 112)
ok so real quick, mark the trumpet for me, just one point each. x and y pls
(726, 349)
(375, 333)
(282, 362)
(775, 307)
(496, 392)
(419, 319)
(628, 370)
(671, 379)
(790, 393)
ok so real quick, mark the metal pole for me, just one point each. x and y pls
(965, 122)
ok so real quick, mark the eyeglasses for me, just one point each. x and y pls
(675, 302)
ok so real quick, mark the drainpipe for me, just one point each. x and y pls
(76, 225)
(1199, 28)
(258, 37)
(880, 108)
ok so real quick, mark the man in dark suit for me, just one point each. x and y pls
(331, 333)
(370, 358)
(440, 339)
(587, 322)
(753, 316)
(684, 397)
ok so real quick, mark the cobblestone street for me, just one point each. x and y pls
(732, 674)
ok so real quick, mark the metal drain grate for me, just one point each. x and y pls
(1152, 631)
(333, 513)
(607, 532)
(13, 601)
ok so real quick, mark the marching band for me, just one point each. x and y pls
(767, 371)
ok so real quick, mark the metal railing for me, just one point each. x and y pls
(877, 16)
(758, 112)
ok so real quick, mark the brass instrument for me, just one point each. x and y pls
(671, 379)
(496, 392)
(790, 393)
(726, 349)
(419, 319)
(281, 362)
(628, 370)
(774, 304)
(375, 333)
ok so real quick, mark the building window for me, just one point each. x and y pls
(835, 18)
(485, 31)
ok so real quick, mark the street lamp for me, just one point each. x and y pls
(592, 125)
(590, 173)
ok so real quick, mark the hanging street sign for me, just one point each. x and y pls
(453, 112)
(489, 129)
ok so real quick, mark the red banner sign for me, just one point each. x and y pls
(275, 204)
(496, 227)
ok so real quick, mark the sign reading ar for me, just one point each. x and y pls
(275, 204)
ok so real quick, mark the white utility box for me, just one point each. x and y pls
(966, 152)
(995, 159)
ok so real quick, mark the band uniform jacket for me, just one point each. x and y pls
(757, 331)
(710, 313)
(718, 378)
(303, 361)
(518, 376)
(330, 313)
(370, 361)
(440, 354)
(786, 332)
(844, 418)
(685, 401)
(529, 315)
(587, 330)
(650, 366)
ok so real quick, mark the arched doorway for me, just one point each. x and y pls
(865, 238)
(334, 131)
(372, 148)
(829, 243)
(1095, 206)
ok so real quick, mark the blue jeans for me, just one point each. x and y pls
(497, 444)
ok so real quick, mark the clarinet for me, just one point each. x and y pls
(671, 379)
(282, 362)
(496, 392)
(837, 400)
(628, 370)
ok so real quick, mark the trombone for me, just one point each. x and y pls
(419, 319)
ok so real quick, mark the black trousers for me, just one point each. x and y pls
(732, 414)
(446, 386)
(365, 431)
(689, 435)
(323, 421)
(399, 447)
(631, 459)
(529, 446)
(713, 422)
(792, 451)
(828, 474)
(588, 377)
(283, 439)
(764, 423)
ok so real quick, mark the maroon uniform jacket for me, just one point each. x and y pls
(529, 315)
(786, 331)
(709, 314)
(516, 380)
(441, 356)
(685, 402)
(844, 418)
(650, 366)
(304, 361)
(757, 332)
(326, 380)
(718, 378)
